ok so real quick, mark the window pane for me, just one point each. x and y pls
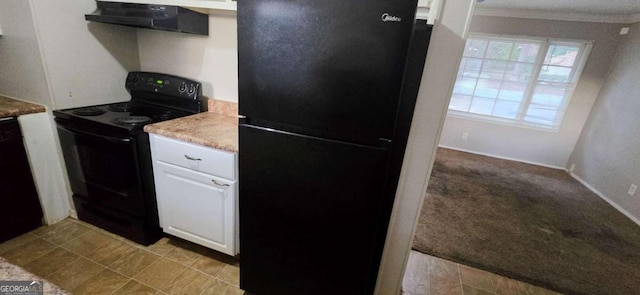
(540, 114)
(525, 52)
(497, 76)
(460, 103)
(475, 48)
(472, 67)
(561, 55)
(506, 109)
(464, 86)
(517, 78)
(512, 91)
(482, 106)
(488, 88)
(494, 69)
(520, 69)
(549, 95)
(555, 74)
(499, 50)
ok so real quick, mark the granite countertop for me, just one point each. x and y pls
(209, 129)
(10, 107)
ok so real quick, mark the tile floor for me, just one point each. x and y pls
(429, 275)
(84, 259)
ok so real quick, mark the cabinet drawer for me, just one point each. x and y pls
(194, 157)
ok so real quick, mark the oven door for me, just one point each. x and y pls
(103, 169)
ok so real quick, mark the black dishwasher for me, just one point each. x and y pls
(20, 211)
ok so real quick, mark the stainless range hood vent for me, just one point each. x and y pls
(151, 16)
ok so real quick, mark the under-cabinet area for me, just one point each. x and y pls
(197, 194)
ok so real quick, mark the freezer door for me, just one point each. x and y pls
(332, 68)
(308, 213)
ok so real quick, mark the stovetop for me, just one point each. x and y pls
(127, 116)
(155, 97)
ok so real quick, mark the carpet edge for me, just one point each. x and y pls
(605, 198)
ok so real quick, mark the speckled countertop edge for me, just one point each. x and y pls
(207, 129)
(10, 107)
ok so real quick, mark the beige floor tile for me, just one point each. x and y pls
(506, 286)
(416, 276)
(161, 247)
(190, 281)
(76, 273)
(443, 286)
(209, 265)
(441, 268)
(104, 283)
(28, 252)
(161, 273)
(444, 277)
(64, 232)
(535, 290)
(46, 228)
(134, 262)
(216, 287)
(111, 252)
(88, 244)
(233, 290)
(135, 288)
(51, 262)
(230, 274)
(468, 290)
(478, 279)
(184, 256)
(16, 242)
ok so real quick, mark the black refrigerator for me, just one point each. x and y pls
(326, 95)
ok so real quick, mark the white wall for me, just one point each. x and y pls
(547, 148)
(212, 60)
(49, 175)
(22, 73)
(607, 155)
(443, 59)
(47, 51)
(86, 63)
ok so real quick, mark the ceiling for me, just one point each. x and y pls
(584, 8)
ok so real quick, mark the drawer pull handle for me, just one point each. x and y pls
(220, 184)
(192, 158)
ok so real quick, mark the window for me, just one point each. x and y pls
(517, 81)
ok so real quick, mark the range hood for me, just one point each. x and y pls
(151, 16)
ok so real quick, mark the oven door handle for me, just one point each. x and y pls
(103, 137)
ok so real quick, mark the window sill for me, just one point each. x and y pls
(498, 121)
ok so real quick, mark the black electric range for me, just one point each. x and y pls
(108, 157)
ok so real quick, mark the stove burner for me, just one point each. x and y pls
(90, 111)
(120, 107)
(132, 120)
(167, 115)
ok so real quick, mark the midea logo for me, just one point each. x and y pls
(390, 18)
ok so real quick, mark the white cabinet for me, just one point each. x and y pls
(197, 193)
(210, 4)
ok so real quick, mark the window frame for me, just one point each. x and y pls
(545, 43)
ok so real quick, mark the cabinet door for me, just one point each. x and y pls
(196, 206)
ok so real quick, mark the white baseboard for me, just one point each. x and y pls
(605, 198)
(503, 158)
(73, 214)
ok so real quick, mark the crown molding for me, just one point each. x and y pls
(550, 15)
